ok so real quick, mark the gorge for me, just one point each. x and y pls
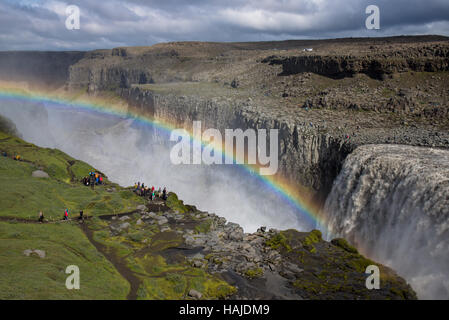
(364, 141)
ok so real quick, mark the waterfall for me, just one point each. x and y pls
(392, 202)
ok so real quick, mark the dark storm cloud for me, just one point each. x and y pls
(40, 24)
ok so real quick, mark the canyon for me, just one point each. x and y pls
(347, 112)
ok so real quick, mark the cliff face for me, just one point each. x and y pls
(307, 157)
(376, 65)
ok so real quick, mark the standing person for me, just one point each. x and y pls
(159, 192)
(92, 179)
(66, 214)
(164, 194)
(41, 217)
(81, 216)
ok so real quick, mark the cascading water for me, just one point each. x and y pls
(392, 202)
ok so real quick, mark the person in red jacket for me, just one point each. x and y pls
(66, 214)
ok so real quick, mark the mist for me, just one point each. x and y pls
(129, 151)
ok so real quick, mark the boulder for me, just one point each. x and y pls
(40, 174)
(40, 253)
(125, 225)
(195, 294)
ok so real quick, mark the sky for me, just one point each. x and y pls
(41, 24)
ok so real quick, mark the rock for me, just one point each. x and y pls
(125, 225)
(141, 207)
(40, 253)
(162, 220)
(40, 174)
(195, 294)
(262, 230)
(124, 218)
(139, 222)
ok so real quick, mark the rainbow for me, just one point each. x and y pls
(114, 107)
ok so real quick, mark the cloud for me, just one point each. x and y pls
(40, 24)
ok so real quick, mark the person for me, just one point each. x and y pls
(151, 196)
(159, 192)
(4, 154)
(100, 179)
(164, 194)
(152, 189)
(92, 179)
(81, 217)
(66, 214)
(146, 191)
(41, 217)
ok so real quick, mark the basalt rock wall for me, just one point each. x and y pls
(307, 158)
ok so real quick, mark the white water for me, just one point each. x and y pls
(392, 202)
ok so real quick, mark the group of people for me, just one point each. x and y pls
(65, 216)
(94, 178)
(17, 157)
(145, 191)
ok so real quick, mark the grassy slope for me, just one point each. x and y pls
(23, 277)
(22, 196)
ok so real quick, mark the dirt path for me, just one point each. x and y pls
(118, 263)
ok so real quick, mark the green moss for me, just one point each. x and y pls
(278, 241)
(175, 204)
(342, 243)
(136, 236)
(204, 227)
(360, 263)
(314, 236)
(254, 273)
